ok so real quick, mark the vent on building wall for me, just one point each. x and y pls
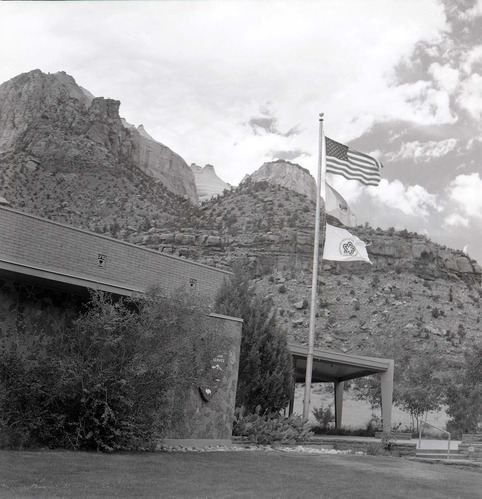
(193, 282)
(102, 260)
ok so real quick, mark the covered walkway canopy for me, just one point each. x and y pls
(337, 367)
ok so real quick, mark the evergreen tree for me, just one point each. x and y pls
(265, 375)
(464, 395)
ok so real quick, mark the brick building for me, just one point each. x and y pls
(47, 269)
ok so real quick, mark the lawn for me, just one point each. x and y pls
(242, 474)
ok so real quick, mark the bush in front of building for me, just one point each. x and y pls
(265, 376)
(111, 381)
(269, 428)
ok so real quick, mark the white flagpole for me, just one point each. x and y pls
(314, 281)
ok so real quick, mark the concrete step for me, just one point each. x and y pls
(436, 451)
(438, 456)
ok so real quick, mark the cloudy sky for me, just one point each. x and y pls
(235, 83)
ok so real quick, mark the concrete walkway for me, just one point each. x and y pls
(427, 443)
(436, 444)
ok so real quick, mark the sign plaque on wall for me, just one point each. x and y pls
(218, 366)
(101, 260)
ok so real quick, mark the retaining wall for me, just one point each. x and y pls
(471, 446)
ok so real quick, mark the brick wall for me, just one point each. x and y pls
(36, 242)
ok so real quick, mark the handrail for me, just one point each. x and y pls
(437, 428)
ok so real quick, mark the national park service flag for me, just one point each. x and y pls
(342, 246)
(336, 206)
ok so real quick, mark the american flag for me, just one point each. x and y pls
(351, 164)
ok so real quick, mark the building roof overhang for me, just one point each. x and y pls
(330, 366)
(49, 278)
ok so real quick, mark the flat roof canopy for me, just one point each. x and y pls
(60, 281)
(329, 366)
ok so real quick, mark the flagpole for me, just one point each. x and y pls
(314, 281)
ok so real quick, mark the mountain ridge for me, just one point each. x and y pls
(50, 120)
(69, 156)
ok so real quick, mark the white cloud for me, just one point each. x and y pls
(472, 58)
(456, 220)
(445, 76)
(470, 97)
(419, 103)
(351, 190)
(192, 72)
(473, 12)
(466, 191)
(423, 151)
(411, 200)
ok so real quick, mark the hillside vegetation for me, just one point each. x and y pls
(70, 157)
(270, 229)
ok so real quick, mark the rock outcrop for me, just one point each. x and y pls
(274, 230)
(50, 122)
(208, 184)
(286, 174)
(293, 249)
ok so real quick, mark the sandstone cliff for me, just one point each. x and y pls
(208, 184)
(416, 289)
(48, 121)
(286, 174)
(273, 229)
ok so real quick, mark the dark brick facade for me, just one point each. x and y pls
(35, 243)
(54, 255)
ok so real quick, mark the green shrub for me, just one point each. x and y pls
(265, 375)
(268, 428)
(374, 449)
(324, 417)
(113, 380)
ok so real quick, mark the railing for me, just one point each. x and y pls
(437, 428)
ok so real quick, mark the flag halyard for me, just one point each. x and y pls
(351, 164)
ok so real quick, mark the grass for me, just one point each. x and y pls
(243, 474)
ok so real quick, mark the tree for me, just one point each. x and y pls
(265, 374)
(117, 376)
(418, 386)
(464, 394)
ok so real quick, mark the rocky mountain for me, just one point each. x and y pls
(417, 291)
(48, 121)
(68, 156)
(286, 174)
(208, 184)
